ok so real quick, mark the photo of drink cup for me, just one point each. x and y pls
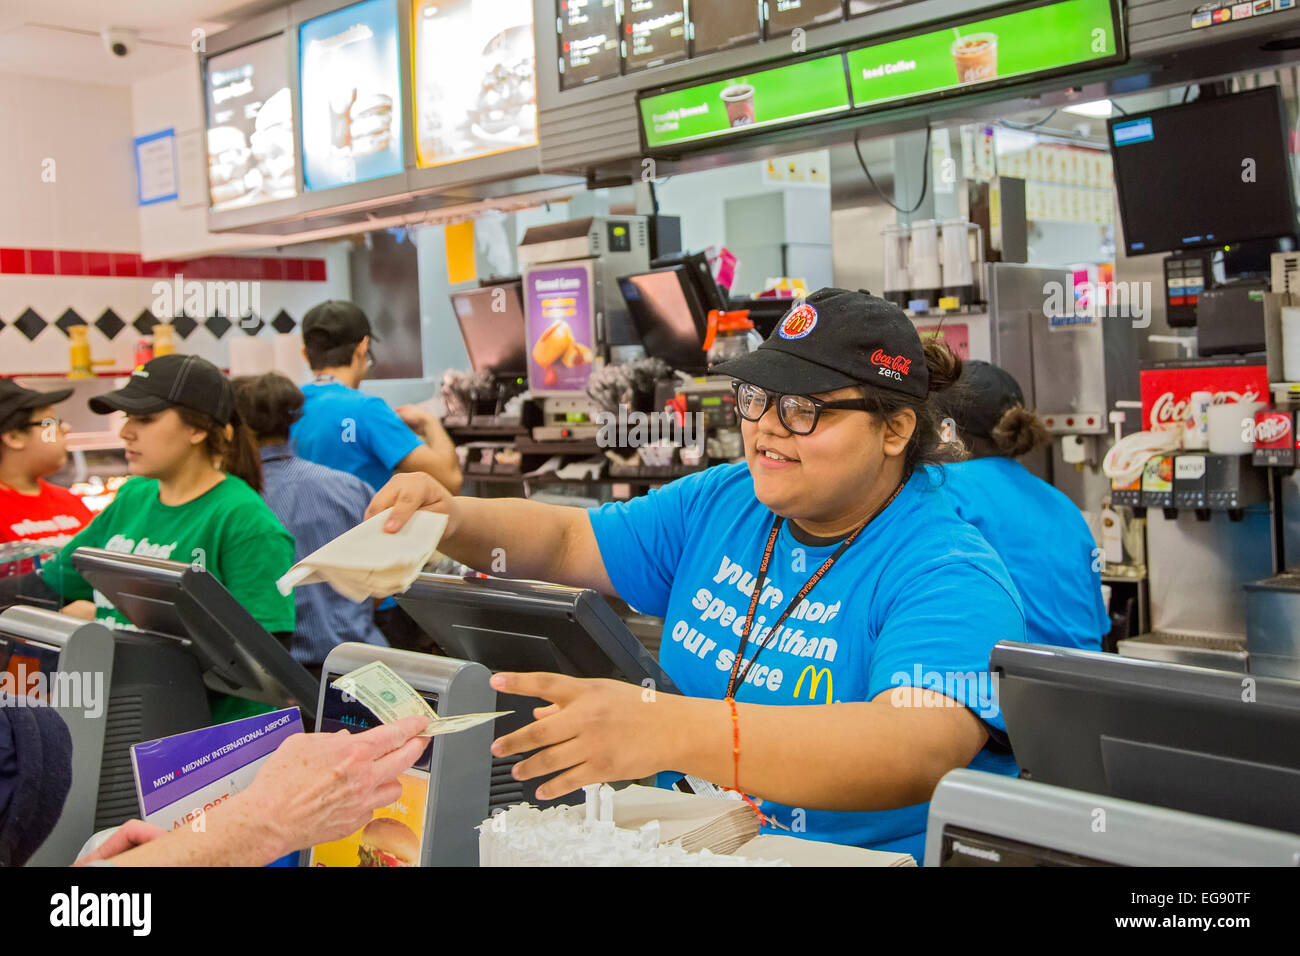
(739, 100)
(976, 57)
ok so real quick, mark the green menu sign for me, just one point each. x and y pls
(753, 100)
(1014, 45)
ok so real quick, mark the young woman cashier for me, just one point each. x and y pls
(824, 572)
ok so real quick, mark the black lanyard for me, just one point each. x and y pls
(738, 676)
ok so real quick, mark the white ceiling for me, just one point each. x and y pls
(61, 38)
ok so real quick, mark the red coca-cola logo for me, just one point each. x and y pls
(1272, 428)
(1165, 411)
(895, 363)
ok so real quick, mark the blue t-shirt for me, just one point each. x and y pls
(1044, 542)
(919, 599)
(345, 429)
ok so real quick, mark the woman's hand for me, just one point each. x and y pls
(595, 731)
(129, 834)
(320, 787)
(82, 609)
(408, 493)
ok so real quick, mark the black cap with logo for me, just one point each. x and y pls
(982, 396)
(835, 339)
(17, 402)
(334, 323)
(168, 380)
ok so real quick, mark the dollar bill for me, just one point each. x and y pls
(383, 692)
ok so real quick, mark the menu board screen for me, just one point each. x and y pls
(726, 107)
(589, 48)
(654, 33)
(1021, 44)
(784, 16)
(720, 24)
(475, 78)
(250, 126)
(350, 90)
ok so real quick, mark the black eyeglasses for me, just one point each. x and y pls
(799, 414)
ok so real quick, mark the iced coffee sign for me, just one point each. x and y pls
(767, 98)
(1012, 46)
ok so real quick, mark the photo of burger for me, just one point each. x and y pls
(388, 842)
(229, 163)
(371, 128)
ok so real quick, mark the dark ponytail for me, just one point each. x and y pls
(1018, 432)
(235, 454)
(926, 446)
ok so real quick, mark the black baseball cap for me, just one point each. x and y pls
(982, 396)
(333, 323)
(834, 339)
(185, 380)
(16, 402)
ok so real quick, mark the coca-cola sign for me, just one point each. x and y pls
(895, 363)
(1272, 429)
(1167, 392)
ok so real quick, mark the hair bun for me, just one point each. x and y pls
(943, 364)
(1018, 432)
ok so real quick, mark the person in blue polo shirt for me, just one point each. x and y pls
(827, 617)
(1038, 532)
(357, 433)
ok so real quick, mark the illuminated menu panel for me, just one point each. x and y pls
(654, 33)
(721, 24)
(250, 126)
(783, 16)
(475, 85)
(589, 42)
(350, 90)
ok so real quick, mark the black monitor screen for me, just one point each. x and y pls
(26, 667)
(667, 314)
(783, 16)
(588, 41)
(654, 31)
(492, 324)
(1205, 174)
(722, 24)
(342, 712)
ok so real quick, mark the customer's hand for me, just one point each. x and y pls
(321, 787)
(408, 493)
(82, 609)
(129, 834)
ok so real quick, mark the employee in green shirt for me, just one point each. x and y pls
(194, 497)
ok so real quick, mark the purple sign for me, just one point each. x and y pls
(173, 768)
(561, 345)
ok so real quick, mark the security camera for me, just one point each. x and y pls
(120, 41)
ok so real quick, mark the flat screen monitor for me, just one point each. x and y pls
(1210, 173)
(1204, 741)
(706, 286)
(350, 91)
(492, 323)
(654, 33)
(475, 88)
(784, 16)
(589, 41)
(668, 316)
(252, 157)
(237, 655)
(723, 24)
(530, 626)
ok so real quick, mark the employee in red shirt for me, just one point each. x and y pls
(33, 444)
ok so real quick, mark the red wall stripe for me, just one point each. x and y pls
(76, 262)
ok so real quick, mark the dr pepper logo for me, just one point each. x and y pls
(798, 323)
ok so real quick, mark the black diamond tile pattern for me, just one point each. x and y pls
(283, 322)
(144, 322)
(251, 324)
(30, 324)
(67, 320)
(184, 325)
(109, 324)
(218, 325)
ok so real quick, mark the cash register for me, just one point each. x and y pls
(190, 633)
(528, 626)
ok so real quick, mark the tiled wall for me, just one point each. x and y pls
(43, 292)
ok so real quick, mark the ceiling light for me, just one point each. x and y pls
(1098, 109)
